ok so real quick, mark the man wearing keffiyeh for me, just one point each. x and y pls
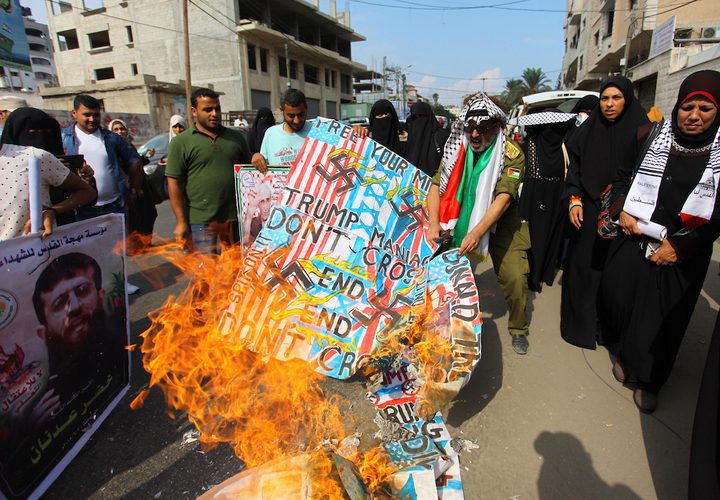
(474, 199)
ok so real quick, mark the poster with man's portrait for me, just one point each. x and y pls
(256, 194)
(63, 336)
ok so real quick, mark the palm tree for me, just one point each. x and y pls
(534, 80)
(436, 98)
(513, 92)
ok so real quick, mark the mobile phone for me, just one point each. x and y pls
(74, 162)
(651, 248)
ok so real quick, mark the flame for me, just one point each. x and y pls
(263, 408)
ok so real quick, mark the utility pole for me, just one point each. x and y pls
(186, 40)
(404, 100)
(287, 65)
(384, 78)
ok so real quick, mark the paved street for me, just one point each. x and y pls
(552, 425)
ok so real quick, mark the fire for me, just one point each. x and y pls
(263, 408)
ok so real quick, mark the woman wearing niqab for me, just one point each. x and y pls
(596, 151)
(668, 212)
(263, 121)
(540, 201)
(422, 150)
(385, 126)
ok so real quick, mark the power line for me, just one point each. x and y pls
(503, 6)
(477, 78)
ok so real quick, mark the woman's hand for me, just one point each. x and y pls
(628, 224)
(665, 255)
(576, 216)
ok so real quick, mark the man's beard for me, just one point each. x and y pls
(61, 354)
(299, 127)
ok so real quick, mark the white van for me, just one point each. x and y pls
(564, 100)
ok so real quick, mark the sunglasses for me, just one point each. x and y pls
(482, 129)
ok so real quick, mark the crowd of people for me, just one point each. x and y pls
(626, 207)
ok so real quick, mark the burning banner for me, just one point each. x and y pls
(340, 279)
(63, 332)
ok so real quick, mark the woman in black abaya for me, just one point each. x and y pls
(670, 217)
(422, 148)
(596, 150)
(540, 201)
(385, 127)
(263, 121)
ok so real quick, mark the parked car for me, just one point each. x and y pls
(154, 170)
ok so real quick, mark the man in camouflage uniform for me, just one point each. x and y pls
(474, 197)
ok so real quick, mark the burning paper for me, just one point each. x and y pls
(340, 278)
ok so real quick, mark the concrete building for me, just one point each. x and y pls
(130, 54)
(41, 51)
(14, 79)
(656, 43)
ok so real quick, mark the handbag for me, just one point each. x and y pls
(607, 228)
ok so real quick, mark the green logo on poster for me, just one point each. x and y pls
(8, 308)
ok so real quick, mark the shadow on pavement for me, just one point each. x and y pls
(487, 378)
(567, 471)
(667, 431)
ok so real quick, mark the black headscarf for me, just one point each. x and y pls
(602, 145)
(33, 127)
(421, 149)
(385, 130)
(704, 83)
(587, 103)
(263, 121)
(548, 139)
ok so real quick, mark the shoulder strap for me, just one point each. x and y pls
(566, 156)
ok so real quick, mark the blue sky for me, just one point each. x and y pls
(460, 41)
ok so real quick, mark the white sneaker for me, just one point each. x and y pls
(131, 289)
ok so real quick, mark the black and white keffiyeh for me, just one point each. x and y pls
(642, 197)
(542, 118)
(480, 108)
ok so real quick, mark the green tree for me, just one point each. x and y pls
(534, 80)
(512, 93)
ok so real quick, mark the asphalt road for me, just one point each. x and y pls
(551, 425)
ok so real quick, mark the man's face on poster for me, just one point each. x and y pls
(73, 309)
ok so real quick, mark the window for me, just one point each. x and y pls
(263, 60)
(40, 61)
(345, 84)
(68, 40)
(609, 23)
(633, 4)
(34, 32)
(134, 69)
(252, 62)
(282, 67)
(37, 47)
(61, 7)
(41, 75)
(99, 39)
(129, 34)
(311, 74)
(596, 38)
(581, 62)
(330, 78)
(104, 73)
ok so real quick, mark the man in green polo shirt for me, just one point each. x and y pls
(201, 177)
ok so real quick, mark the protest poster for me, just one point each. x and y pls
(63, 333)
(341, 259)
(255, 195)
